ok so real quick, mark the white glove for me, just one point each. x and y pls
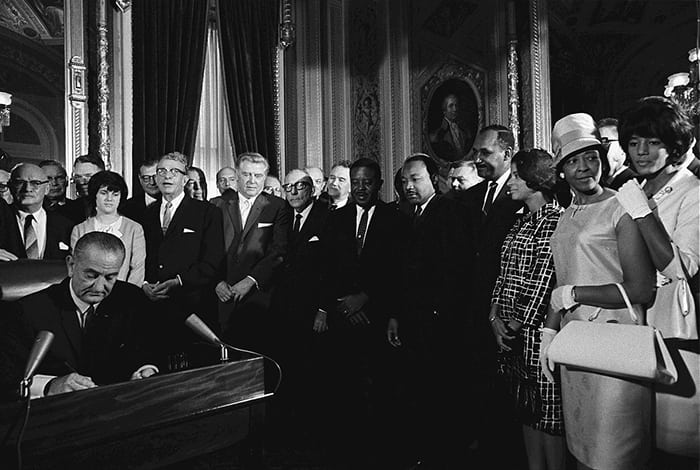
(562, 298)
(546, 364)
(633, 199)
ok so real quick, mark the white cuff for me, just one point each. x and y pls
(39, 382)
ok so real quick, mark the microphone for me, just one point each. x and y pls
(198, 326)
(41, 346)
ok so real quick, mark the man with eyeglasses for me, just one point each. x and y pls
(255, 235)
(619, 173)
(184, 251)
(26, 229)
(58, 184)
(5, 193)
(78, 209)
(295, 300)
(135, 207)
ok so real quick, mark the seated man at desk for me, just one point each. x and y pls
(99, 324)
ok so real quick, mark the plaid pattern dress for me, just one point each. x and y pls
(522, 291)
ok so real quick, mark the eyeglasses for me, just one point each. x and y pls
(30, 184)
(82, 177)
(58, 179)
(147, 178)
(299, 186)
(606, 141)
(162, 172)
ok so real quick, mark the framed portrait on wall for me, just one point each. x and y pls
(452, 111)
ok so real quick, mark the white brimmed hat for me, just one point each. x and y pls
(573, 133)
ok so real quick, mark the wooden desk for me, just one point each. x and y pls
(146, 423)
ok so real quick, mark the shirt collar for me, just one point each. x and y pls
(79, 304)
(175, 202)
(39, 216)
(425, 204)
(251, 200)
(148, 199)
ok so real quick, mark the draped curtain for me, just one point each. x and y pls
(248, 33)
(169, 40)
(213, 149)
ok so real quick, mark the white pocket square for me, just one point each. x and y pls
(314, 239)
(187, 230)
(63, 246)
(263, 225)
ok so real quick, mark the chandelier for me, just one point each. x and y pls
(684, 87)
(5, 102)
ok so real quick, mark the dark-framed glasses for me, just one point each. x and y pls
(34, 184)
(57, 179)
(147, 178)
(606, 141)
(299, 186)
(163, 172)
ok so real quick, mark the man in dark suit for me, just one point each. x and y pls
(98, 323)
(135, 207)
(27, 230)
(78, 209)
(256, 225)
(294, 306)
(184, 252)
(619, 172)
(493, 213)
(58, 185)
(435, 315)
(363, 246)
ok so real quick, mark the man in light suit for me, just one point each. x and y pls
(27, 230)
(184, 252)
(100, 325)
(255, 235)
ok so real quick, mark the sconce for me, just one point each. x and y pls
(5, 103)
(684, 87)
(287, 30)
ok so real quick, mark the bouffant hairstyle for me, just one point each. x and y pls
(656, 116)
(536, 168)
(110, 180)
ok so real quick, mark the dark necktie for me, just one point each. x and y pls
(333, 207)
(362, 229)
(417, 214)
(488, 202)
(31, 244)
(297, 224)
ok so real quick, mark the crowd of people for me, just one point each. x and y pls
(411, 333)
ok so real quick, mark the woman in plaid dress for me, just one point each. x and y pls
(519, 304)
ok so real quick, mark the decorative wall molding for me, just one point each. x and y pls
(395, 94)
(539, 70)
(103, 91)
(498, 83)
(277, 100)
(121, 105)
(76, 116)
(311, 105)
(513, 92)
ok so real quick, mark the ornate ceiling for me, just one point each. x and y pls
(37, 20)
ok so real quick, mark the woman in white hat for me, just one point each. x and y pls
(657, 136)
(596, 245)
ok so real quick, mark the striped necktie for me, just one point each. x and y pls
(167, 216)
(31, 244)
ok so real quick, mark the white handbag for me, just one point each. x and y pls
(629, 351)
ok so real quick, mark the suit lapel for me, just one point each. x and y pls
(69, 320)
(254, 214)
(234, 215)
(21, 252)
(179, 215)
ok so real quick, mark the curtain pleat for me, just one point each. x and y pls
(169, 43)
(248, 33)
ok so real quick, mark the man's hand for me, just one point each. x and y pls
(144, 372)
(320, 324)
(392, 332)
(500, 332)
(223, 291)
(358, 318)
(149, 289)
(69, 383)
(241, 289)
(351, 304)
(162, 289)
(7, 256)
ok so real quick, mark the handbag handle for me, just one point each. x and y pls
(633, 314)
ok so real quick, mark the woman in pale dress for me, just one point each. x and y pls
(596, 245)
(657, 136)
(107, 192)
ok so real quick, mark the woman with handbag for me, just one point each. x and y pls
(596, 246)
(657, 136)
(519, 304)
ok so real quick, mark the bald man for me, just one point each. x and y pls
(26, 229)
(226, 179)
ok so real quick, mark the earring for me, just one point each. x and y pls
(561, 175)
